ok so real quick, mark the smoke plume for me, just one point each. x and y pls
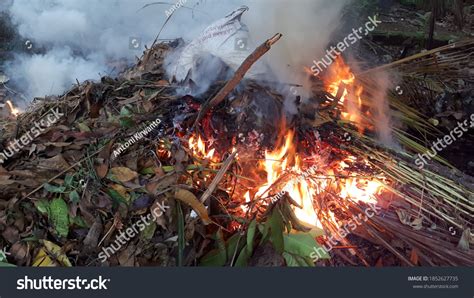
(78, 40)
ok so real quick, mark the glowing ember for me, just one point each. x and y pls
(14, 111)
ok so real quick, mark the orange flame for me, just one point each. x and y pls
(303, 190)
(199, 149)
(13, 110)
(276, 163)
(340, 76)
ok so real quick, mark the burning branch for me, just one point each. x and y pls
(218, 178)
(238, 76)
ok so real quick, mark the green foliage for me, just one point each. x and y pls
(54, 189)
(217, 257)
(276, 226)
(59, 216)
(71, 186)
(117, 198)
(297, 248)
(42, 206)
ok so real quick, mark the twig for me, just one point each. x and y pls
(238, 76)
(218, 178)
(65, 171)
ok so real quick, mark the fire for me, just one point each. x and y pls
(336, 178)
(340, 76)
(286, 172)
(275, 164)
(198, 147)
(13, 110)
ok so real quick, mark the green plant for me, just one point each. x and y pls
(278, 229)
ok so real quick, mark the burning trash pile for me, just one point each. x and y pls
(224, 178)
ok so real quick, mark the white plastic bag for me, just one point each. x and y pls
(227, 39)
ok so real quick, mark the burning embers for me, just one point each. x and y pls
(326, 174)
(306, 170)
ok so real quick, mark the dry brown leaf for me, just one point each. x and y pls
(160, 220)
(55, 163)
(92, 238)
(57, 144)
(124, 174)
(6, 182)
(379, 263)
(465, 239)
(127, 256)
(414, 256)
(19, 252)
(101, 170)
(150, 187)
(11, 234)
(190, 199)
(406, 219)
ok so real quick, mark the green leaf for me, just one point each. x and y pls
(302, 244)
(294, 261)
(59, 216)
(78, 221)
(276, 230)
(68, 180)
(127, 122)
(214, 258)
(124, 111)
(83, 127)
(149, 231)
(74, 197)
(54, 189)
(4, 264)
(42, 206)
(297, 261)
(148, 171)
(243, 257)
(250, 235)
(309, 261)
(232, 245)
(117, 198)
(264, 231)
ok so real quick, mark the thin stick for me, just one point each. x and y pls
(60, 174)
(238, 76)
(218, 178)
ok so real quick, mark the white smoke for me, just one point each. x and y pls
(382, 119)
(80, 39)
